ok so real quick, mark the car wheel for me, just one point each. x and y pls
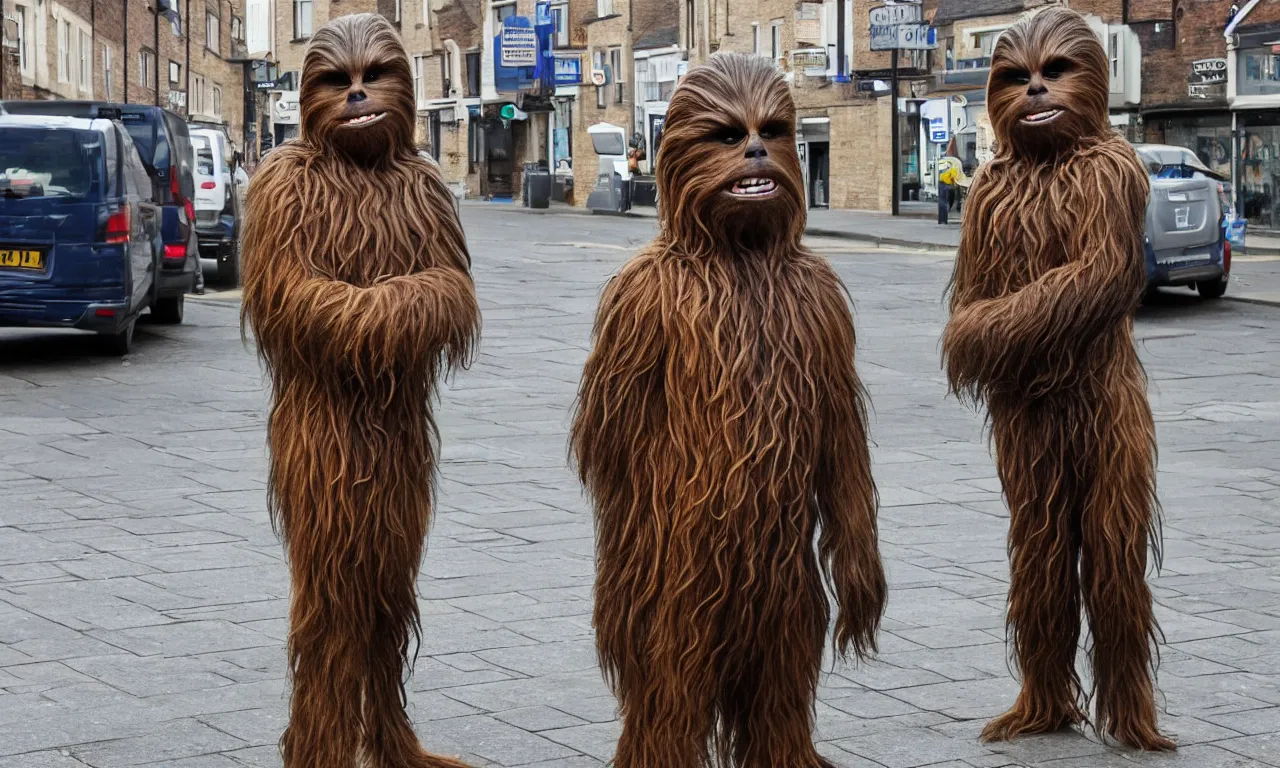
(169, 311)
(229, 270)
(120, 343)
(1212, 289)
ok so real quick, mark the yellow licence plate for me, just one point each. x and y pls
(21, 259)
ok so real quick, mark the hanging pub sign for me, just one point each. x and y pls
(1209, 71)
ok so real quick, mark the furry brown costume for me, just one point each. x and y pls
(357, 287)
(1047, 279)
(720, 422)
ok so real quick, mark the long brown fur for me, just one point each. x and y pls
(356, 285)
(720, 424)
(1047, 279)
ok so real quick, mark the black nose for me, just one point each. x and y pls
(356, 96)
(755, 149)
(1036, 87)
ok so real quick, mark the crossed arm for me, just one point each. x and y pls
(399, 321)
(1047, 325)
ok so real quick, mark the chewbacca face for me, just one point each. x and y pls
(357, 89)
(1049, 84)
(728, 166)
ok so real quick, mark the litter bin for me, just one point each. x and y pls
(536, 189)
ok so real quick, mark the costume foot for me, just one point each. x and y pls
(1138, 735)
(1022, 720)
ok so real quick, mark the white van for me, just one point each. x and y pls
(216, 202)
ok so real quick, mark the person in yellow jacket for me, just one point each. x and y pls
(950, 177)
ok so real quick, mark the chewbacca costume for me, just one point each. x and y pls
(720, 423)
(357, 287)
(1048, 276)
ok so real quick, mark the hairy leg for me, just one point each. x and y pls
(1033, 454)
(1119, 523)
(326, 654)
(767, 696)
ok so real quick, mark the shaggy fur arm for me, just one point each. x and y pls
(620, 398)
(845, 491)
(1044, 327)
(407, 320)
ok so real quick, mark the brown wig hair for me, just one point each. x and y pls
(1047, 278)
(720, 430)
(716, 111)
(357, 94)
(357, 288)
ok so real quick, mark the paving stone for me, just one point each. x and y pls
(144, 596)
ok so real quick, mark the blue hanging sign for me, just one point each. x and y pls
(568, 69)
(519, 43)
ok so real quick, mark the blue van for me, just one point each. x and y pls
(80, 238)
(164, 144)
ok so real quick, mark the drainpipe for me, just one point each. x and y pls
(155, 31)
(125, 53)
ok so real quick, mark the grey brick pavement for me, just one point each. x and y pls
(143, 595)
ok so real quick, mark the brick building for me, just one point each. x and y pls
(841, 87)
(184, 58)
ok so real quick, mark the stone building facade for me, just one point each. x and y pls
(184, 59)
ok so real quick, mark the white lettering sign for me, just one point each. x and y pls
(895, 14)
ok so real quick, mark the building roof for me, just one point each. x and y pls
(658, 38)
(950, 10)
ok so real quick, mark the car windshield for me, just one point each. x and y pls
(49, 162)
(1174, 165)
(152, 147)
(204, 156)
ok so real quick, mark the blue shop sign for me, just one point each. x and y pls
(522, 53)
(568, 70)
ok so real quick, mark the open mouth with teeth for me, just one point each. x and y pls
(1041, 117)
(368, 119)
(752, 187)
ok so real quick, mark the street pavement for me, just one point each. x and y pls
(143, 594)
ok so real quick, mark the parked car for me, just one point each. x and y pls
(1188, 216)
(164, 144)
(217, 203)
(80, 240)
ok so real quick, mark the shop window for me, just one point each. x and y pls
(1258, 72)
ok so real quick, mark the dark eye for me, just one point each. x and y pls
(336, 79)
(372, 75)
(774, 131)
(1055, 69)
(1018, 76)
(729, 136)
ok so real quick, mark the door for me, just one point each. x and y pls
(819, 168)
(498, 158)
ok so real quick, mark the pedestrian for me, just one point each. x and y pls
(357, 286)
(720, 424)
(1048, 276)
(948, 178)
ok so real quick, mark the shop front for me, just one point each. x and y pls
(813, 142)
(1254, 64)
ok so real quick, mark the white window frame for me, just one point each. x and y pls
(64, 50)
(618, 80)
(215, 95)
(195, 99)
(419, 81)
(426, 13)
(604, 8)
(212, 32)
(175, 72)
(106, 72)
(146, 68)
(84, 61)
(775, 39)
(495, 8)
(560, 23)
(399, 9)
(19, 15)
(299, 33)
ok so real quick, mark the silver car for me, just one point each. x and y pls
(1186, 242)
